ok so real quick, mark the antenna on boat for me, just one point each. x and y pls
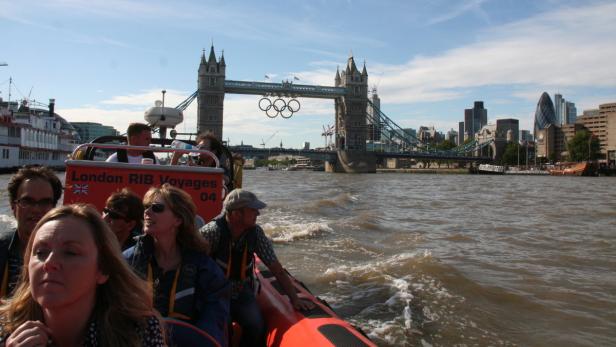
(161, 117)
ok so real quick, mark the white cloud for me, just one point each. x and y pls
(460, 9)
(568, 47)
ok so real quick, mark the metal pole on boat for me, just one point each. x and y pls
(162, 131)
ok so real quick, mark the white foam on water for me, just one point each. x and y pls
(292, 232)
(378, 266)
(7, 222)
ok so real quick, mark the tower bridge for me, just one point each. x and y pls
(350, 95)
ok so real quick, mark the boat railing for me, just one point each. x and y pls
(80, 151)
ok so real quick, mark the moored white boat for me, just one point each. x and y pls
(33, 135)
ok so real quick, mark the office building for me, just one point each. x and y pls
(474, 119)
(88, 131)
(526, 136)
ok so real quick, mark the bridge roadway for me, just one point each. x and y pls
(283, 89)
(330, 155)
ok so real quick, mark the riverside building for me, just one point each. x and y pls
(552, 138)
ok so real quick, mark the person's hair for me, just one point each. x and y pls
(215, 144)
(136, 129)
(183, 207)
(35, 172)
(122, 302)
(128, 203)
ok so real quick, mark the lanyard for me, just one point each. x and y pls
(170, 312)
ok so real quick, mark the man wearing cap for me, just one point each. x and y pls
(234, 238)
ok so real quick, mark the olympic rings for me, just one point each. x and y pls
(279, 106)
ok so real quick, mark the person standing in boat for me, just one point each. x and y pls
(77, 290)
(234, 238)
(33, 191)
(123, 213)
(138, 134)
(172, 257)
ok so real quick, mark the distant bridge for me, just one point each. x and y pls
(331, 155)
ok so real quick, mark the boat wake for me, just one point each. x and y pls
(289, 232)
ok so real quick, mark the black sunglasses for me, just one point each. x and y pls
(156, 207)
(113, 214)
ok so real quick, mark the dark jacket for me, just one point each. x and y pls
(202, 292)
(11, 261)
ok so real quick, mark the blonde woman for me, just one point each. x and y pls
(172, 256)
(77, 290)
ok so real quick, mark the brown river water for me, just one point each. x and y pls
(448, 260)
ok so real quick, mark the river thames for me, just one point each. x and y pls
(442, 260)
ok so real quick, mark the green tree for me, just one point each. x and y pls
(446, 145)
(583, 145)
(510, 156)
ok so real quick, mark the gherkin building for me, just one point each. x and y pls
(544, 115)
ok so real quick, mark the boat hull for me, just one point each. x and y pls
(578, 169)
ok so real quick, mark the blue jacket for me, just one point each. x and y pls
(201, 295)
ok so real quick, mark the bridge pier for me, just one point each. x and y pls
(353, 162)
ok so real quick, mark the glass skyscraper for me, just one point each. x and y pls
(544, 115)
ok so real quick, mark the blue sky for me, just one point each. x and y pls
(107, 60)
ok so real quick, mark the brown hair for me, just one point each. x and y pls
(215, 145)
(35, 172)
(122, 302)
(182, 206)
(136, 129)
(128, 203)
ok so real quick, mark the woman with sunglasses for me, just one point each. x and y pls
(77, 290)
(123, 213)
(171, 256)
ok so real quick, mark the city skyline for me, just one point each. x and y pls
(107, 61)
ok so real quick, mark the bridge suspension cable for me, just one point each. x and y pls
(392, 132)
(184, 104)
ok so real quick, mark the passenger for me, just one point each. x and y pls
(123, 213)
(172, 256)
(208, 141)
(234, 237)
(77, 289)
(138, 134)
(33, 191)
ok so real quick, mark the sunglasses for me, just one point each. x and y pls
(113, 214)
(156, 207)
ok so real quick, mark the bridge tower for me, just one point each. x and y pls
(351, 121)
(211, 94)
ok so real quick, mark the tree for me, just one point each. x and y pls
(446, 145)
(510, 156)
(583, 145)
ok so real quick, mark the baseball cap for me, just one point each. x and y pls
(239, 198)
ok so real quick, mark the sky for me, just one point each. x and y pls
(107, 61)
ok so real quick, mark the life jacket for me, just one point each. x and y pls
(123, 155)
(236, 262)
(183, 289)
